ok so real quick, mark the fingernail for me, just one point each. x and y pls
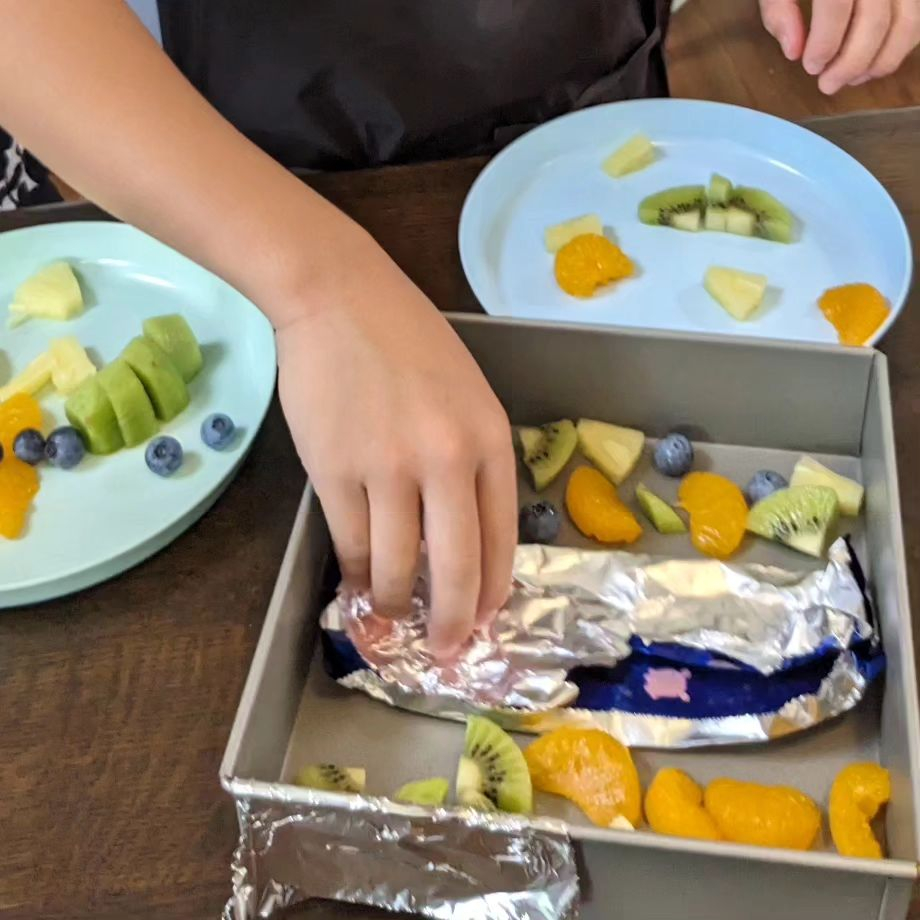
(813, 66)
(860, 80)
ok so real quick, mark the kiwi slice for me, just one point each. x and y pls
(720, 190)
(161, 380)
(493, 769)
(130, 402)
(769, 218)
(546, 450)
(663, 517)
(800, 517)
(90, 411)
(431, 793)
(681, 208)
(330, 778)
(174, 335)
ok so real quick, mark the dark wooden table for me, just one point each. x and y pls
(115, 705)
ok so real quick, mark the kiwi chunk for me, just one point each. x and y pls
(431, 793)
(90, 411)
(771, 219)
(719, 190)
(161, 380)
(808, 472)
(681, 208)
(546, 450)
(174, 335)
(130, 402)
(330, 778)
(663, 517)
(492, 768)
(800, 517)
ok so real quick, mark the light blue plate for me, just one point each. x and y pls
(94, 522)
(850, 229)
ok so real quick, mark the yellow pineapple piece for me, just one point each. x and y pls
(52, 293)
(31, 380)
(555, 237)
(635, 154)
(70, 365)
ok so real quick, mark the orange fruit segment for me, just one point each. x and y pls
(16, 414)
(589, 261)
(591, 769)
(855, 310)
(674, 806)
(858, 792)
(18, 480)
(766, 816)
(718, 513)
(597, 510)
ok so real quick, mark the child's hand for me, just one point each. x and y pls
(403, 439)
(848, 42)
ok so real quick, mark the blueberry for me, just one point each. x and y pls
(164, 455)
(29, 446)
(674, 455)
(762, 484)
(539, 523)
(64, 447)
(217, 431)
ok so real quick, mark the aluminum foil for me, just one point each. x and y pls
(461, 865)
(572, 608)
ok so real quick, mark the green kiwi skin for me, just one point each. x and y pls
(800, 517)
(773, 219)
(546, 450)
(493, 768)
(659, 209)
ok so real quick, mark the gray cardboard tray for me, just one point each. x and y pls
(749, 405)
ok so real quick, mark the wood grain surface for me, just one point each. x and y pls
(115, 705)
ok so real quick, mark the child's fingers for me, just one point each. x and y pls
(865, 38)
(395, 541)
(497, 494)
(903, 37)
(830, 20)
(783, 20)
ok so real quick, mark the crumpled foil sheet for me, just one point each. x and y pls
(573, 608)
(460, 865)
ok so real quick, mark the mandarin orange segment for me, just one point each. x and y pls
(597, 510)
(16, 414)
(589, 261)
(718, 513)
(18, 486)
(855, 310)
(858, 792)
(766, 816)
(591, 769)
(674, 806)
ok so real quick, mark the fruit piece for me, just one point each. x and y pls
(591, 769)
(716, 218)
(546, 450)
(70, 365)
(90, 411)
(539, 523)
(596, 509)
(217, 431)
(17, 413)
(164, 455)
(767, 816)
(129, 401)
(28, 446)
(858, 792)
(663, 517)
(674, 806)
(161, 380)
(64, 447)
(174, 335)
(477, 801)
(772, 220)
(555, 237)
(30, 381)
(738, 293)
(800, 517)
(718, 513)
(330, 778)
(637, 153)
(856, 311)
(493, 766)
(719, 191)
(427, 792)
(52, 293)
(589, 261)
(762, 484)
(673, 455)
(740, 222)
(808, 472)
(18, 486)
(614, 450)
(685, 204)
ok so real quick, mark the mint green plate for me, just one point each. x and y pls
(94, 522)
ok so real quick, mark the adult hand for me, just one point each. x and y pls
(402, 438)
(847, 42)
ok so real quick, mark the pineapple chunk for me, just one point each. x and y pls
(740, 293)
(808, 472)
(555, 237)
(635, 154)
(52, 293)
(615, 451)
(31, 380)
(71, 365)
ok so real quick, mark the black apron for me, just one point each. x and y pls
(337, 84)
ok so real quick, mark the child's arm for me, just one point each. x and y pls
(388, 410)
